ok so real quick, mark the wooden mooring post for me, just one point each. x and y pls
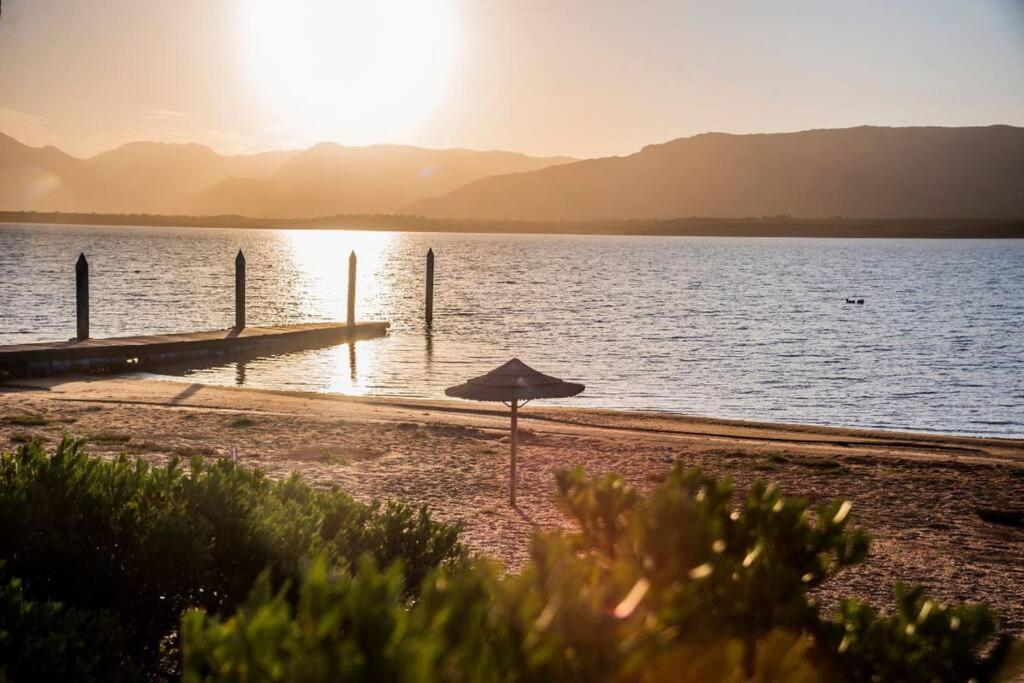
(82, 297)
(351, 317)
(240, 291)
(430, 287)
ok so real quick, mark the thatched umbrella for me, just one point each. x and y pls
(511, 383)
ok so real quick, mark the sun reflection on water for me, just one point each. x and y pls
(352, 366)
(319, 259)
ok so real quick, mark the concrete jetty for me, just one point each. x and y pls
(127, 354)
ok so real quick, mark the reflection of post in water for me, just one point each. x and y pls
(240, 373)
(352, 361)
(430, 346)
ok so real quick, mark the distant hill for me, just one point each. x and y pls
(854, 173)
(137, 177)
(162, 178)
(33, 176)
(329, 179)
(157, 178)
(865, 172)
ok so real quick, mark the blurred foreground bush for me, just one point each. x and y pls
(684, 584)
(128, 547)
(680, 585)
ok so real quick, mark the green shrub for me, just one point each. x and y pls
(344, 627)
(681, 585)
(116, 570)
(47, 641)
(921, 639)
(144, 543)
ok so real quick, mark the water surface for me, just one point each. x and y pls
(730, 327)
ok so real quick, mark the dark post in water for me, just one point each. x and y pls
(82, 297)
(352, 289)
(239, 291)
(430, 287)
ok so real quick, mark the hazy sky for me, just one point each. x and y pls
(578, 77)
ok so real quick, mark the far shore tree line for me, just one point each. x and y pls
(764, 226)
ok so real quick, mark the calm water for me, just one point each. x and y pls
(728, 327)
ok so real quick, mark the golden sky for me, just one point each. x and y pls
(578, 77)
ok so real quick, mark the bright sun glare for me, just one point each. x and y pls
(354, 71)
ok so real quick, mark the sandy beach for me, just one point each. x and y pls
(915, 493)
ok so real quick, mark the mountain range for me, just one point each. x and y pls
(159, 178)
(855, 173)
(866, 172)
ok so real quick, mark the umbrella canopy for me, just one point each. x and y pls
(513, 381)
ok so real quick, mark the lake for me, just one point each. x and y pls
(746, 328)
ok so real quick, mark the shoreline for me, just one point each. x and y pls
(775, 226)
(916, 493)
(668, 413)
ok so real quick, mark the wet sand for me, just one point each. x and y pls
(915, 493)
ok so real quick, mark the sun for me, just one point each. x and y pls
(357, 72)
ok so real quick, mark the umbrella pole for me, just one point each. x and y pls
(512, 478)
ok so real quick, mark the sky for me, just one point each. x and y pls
(583, 78)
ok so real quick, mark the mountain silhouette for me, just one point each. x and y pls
(866, 172)
(159, 178)
(32, 176)
(329, 179)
